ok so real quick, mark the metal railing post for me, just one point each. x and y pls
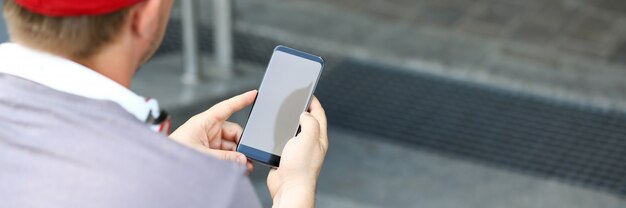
(223, 22)
(190, 43)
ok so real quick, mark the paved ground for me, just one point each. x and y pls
(370, 171)
(161, 77)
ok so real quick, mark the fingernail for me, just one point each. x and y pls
(241, 160)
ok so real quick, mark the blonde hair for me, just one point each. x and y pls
(79, 36)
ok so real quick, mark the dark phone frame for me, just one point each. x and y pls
(261, 156)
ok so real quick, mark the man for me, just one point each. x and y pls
(73, 135)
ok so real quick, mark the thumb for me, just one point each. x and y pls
(237, 157)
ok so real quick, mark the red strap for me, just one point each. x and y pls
(166, 127)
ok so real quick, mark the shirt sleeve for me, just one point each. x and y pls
(244, 195)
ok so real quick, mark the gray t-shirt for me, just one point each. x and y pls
(63, 150)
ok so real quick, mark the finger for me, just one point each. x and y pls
(231, 131)
(228, 145)
(249, 167)
(309, 125)
(236, 157)
(318, 112)
(224, 109)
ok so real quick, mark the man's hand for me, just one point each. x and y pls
(293, 183)
(209, 132)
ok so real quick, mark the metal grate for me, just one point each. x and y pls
(530, 134)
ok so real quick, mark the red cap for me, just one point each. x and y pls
(64, 8)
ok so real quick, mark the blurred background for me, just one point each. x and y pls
(431, 103)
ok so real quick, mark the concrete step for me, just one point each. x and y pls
(456, 39)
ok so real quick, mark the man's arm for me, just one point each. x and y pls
(293, 183)
(295, 196)
(211, 133)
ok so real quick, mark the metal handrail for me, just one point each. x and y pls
(223, 39)
(191, 63)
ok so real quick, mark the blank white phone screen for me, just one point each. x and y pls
(284, 94)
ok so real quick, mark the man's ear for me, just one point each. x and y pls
(145, 18)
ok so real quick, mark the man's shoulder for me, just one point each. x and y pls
(28, 110)
(29, 107)
(97, 151)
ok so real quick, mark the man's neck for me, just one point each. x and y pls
(113, 63)
(113, 67)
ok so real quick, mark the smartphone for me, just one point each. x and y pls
(284, 94)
